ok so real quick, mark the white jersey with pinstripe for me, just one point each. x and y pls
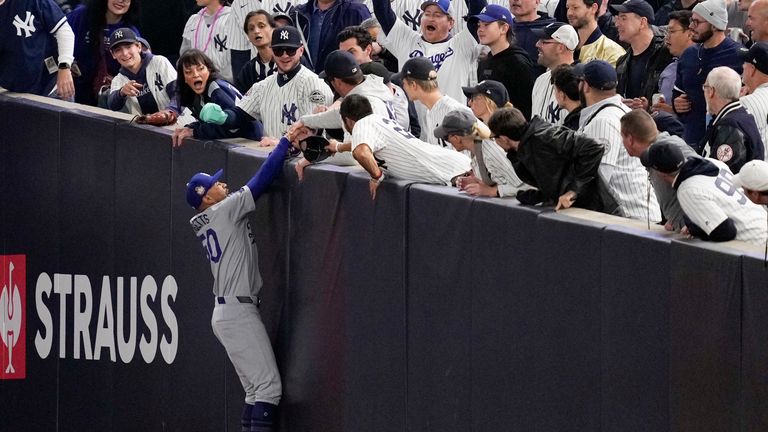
(499, 169)
(543, 103)
(406, 157)
(237, 38)
(433, 117)
(211, 37)
(708, 201)
(278, 107)
(453, 59)
(160, 72)
(625, 176)
(757, 104)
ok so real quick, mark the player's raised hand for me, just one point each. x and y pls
(212, 113)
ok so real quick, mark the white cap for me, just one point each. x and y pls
(714, 12)
(753, 176)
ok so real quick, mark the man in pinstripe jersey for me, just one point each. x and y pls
(756, 81)
(601, 120)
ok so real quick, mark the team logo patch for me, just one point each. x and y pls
(13, 299)
(200, 190)
(27, 25)
(317, 97)
(724, 153)
(284, 35)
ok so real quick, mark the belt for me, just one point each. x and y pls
(240, 299)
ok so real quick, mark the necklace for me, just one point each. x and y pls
(210, 33)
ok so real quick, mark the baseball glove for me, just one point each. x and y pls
(313, 148)
(160, 118)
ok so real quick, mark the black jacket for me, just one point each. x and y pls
(733, 137)
(556, 160)
(660, 58)
(513, 68)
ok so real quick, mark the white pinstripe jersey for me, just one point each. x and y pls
(433, 117)
(453, 59)
(213, 40)
(757, 104)
(406, 157)
(708, 201)
(226, 237)
(279, 107)
(238, 40)
(543, 103)
(160, 72)
(625, 176)
(499, 169)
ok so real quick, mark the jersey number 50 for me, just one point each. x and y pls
(211, 245)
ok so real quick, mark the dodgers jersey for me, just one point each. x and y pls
(278, 104)
(409, 12)
(708, 201)
(406, 157)
(159, 79)
(210, 36)
(26, 38)
(225, 233)
(544, 103)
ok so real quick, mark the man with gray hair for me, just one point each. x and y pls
(732, 136)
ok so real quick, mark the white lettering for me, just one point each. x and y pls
(105, 334)
(62, 285)
(82, 317)
(43, 345)
(169, 349)
(148, 347)
(126, 347)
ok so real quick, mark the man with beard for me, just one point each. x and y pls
(528, 18)
(582, 15)
(506, 63)
(282, 98)
(556, 44)
(713, 49)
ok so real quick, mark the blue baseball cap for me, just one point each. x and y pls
(121, 36)
(638, 7)
(492, 13)
(340, 64)
(444, 5)
(598, 74)
(286, 37)
(199, 185)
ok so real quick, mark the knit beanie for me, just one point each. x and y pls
(714, 12)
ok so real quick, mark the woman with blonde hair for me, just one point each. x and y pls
(486, 97)
(492, 173)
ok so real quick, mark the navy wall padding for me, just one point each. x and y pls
(705, 338)
(754, 372)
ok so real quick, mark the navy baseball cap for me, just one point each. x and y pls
(283, 16)
(639, 7)
(493, 89)
(457, 122)
(339, 64)
(492, 13)
(444, 5)
(199, 185)
(419, 68)
(286, 37)
(598, 74)
(376, 68)
(756, 55)
(663, 157)
(121, 36)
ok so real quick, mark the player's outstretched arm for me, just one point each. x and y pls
(270, 170)
(384, 13)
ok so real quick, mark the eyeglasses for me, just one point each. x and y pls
(705, 87)
(280, 51)
(695, 23)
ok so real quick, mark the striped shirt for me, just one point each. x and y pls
(433, 117)
(211, 37)
(544, 103)
(499, 169)
(757, 104)
(625, 176)
(406, 157)
(159, 73)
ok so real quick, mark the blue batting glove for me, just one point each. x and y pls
(212, 113)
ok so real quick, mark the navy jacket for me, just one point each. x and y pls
(733, 137)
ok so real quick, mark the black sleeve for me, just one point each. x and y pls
(474, 7)
(384, 13)
(728, 145)
(245, 78)
(724, 232)
(586, 155)
(239, 59)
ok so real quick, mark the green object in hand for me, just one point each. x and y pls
(212, 113)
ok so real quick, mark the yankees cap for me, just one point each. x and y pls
(598, 74)
(419, 68)
(663, 157)
(753, 176)
(286, 37)
(198, 186)
(493, 13)
(444, 5)
(561, 32)
(376, 68)
(340, 64)
(494, 90)
(756, 55)
(458, 122)
(121, 36)
(638, 7)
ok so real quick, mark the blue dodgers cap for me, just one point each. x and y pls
(340, 64)
(639, 7)
(493, 13)
(199, 185)
(598, 74)
(286, 37)
(444, 5)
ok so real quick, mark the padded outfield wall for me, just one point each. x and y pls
(426, 310)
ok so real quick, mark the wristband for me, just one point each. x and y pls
(379, 179)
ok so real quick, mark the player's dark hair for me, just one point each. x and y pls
(192, 57)
(97, 19)
(361, 35)
(564, 79)
(251, 14)
(682, 16)
(640, 125)
(589, 4)
(509, 122)
(355, 107)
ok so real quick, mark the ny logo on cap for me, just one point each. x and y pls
(119, 34)
(284, 35)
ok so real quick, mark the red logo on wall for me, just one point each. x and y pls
(13, 320)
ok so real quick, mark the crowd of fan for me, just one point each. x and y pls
(563, 102)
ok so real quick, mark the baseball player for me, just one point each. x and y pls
(26, 48)
(282, 98)
(223, 228)
(146, 82)
(208, 32)
(420, 82)
(715, 208)
(379, 144)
